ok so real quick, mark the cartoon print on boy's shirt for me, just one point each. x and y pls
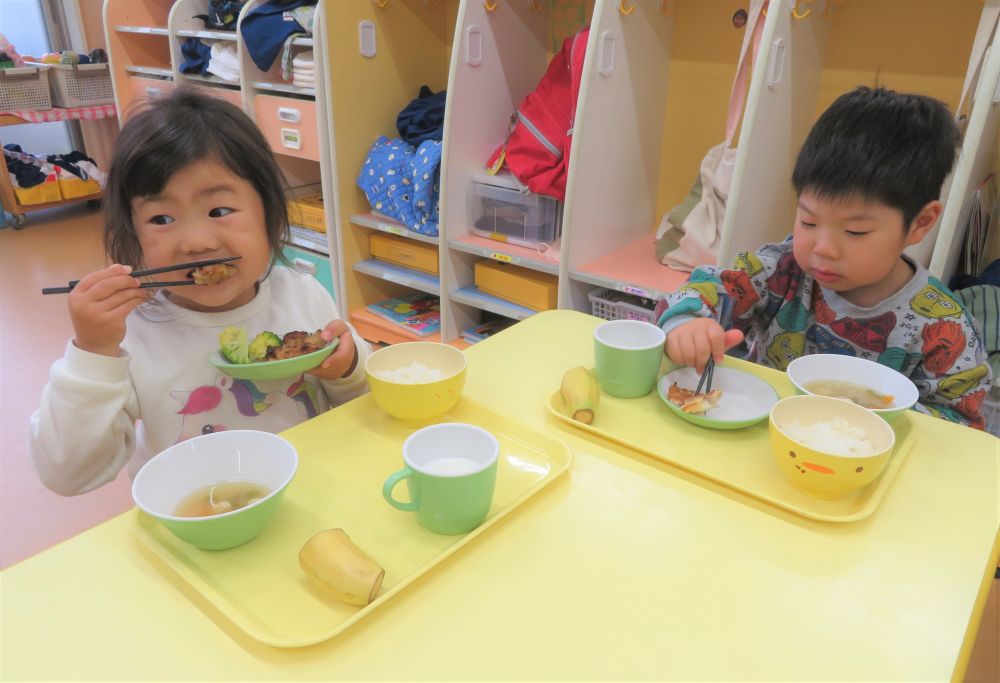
(787, 275)
(933, 302)
(705, 285)
(741, 291)
(785, 348)
(821, 310)
(944, 342)
(870, 333)
(214, 408)
(794, 317)
(749, 264)
(825, 342)
(899, 359)
(970, 406)
(961, 382)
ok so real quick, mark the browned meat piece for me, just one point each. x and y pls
(212, 275)
(296, 344)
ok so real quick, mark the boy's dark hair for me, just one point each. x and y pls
(880, 145)
(170, 133)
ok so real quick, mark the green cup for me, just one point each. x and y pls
(627, 355)
(451, 471)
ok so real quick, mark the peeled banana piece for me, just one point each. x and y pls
(581, 393)
(339, 566)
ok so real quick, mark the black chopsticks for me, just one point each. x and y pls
(725, 311)
(153, 271)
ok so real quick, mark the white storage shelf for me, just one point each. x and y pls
(385, 224)
(208, 35)
(145, 30)
(471, 295)
(408, 277)
(507, 253)
(157, 71)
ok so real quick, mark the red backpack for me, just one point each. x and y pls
(537, 147)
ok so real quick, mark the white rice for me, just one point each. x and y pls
(835, 436)
(414, 373)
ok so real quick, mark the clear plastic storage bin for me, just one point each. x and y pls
(503, 211)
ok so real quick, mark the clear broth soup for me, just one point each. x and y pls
(216, 499)
(866, 397)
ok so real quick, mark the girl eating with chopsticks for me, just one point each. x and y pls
(192, 180)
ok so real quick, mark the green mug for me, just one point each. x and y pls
(627, 355)
(451, 471)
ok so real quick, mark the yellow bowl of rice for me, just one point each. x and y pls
(827, 447)
(416, 381)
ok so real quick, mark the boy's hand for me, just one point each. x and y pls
(98, 306)
(694, 342)
(342, 361)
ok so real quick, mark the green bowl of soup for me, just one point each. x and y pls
(871, 385)
(218, 490)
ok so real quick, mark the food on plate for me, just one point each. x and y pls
(581, 393)
(414, 373)
(266, 346)
(691, 401)
(332, 560)
(296, 344)
(260, 345)
(836, 436)
(212, 275)
(234, 346)
(866, 397)
(216, 499)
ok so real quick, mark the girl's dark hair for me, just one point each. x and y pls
(170, 133)
(880, 145)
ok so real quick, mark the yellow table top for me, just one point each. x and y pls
(625, 568)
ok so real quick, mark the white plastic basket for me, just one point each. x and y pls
(81, 85)
(25, 87)
(611, 305)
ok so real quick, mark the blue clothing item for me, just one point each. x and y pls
(990, 276)
(266, 28)
(423, 118)
(402, 182)
(196, 56)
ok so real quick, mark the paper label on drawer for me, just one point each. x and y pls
(394, 229)
(638, 291)
(502, 258)
(291, 138)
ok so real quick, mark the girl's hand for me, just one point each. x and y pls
(98, 306)
(342, 361)
(694, 342)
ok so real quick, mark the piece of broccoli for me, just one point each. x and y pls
(233, 345)
(261, 343)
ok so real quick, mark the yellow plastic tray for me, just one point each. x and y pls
(344, 456)
(739, 459)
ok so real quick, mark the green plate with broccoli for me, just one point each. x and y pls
(269, 356)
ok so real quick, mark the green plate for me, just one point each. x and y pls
(274, 369)
(746, 399)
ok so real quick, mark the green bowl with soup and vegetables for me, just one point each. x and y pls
(218, 490)
(871, 385)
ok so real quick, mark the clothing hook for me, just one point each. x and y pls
(795, 10)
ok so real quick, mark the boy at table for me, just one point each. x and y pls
(868, 180)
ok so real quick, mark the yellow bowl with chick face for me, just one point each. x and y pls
(827, 447)
(416, 381)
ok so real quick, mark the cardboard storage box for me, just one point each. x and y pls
(405, 252)
(518, 285)
(305, 208)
